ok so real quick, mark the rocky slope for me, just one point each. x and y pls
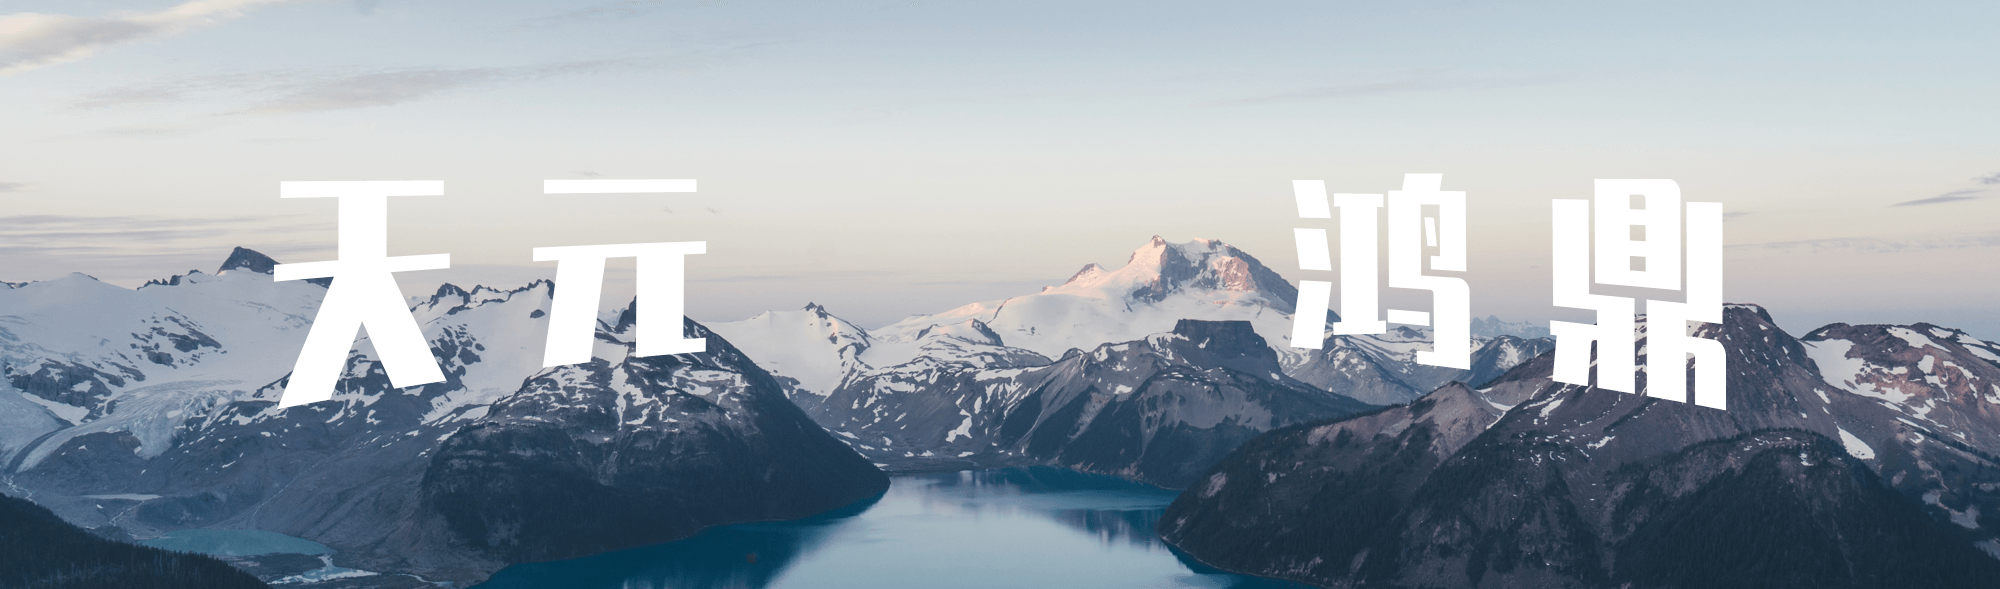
(40, 550)
(1156, 410)
(815, 352)
(148, 438)
(1532, 483)
(1383, 369)
(625, 451)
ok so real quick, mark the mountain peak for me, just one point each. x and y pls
(247, 259)
(1196, 329)
(1231, 344)
(1753, 308)
(1159, 269)
(1163, 282)
(972, 330)
(1153, 249)
(1089, 270)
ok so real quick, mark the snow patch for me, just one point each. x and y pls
(1837, 369)
(1557, 402)
(1979, 349)
(326, 572)
(1855, 446)
(1215, 484)
(67, 412)
(964, 428)
(124, 497)
(1991, 546)
(1916, 340)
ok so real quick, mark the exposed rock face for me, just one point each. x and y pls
(1939, 389)
(1162, 409)
(1382, 369)
(1309, 496)
(1161, 283)
(1576, 487)
(1202, 265)
(178, 425)
(619, 453)
(1157, 410)
(244, 258)
(930, 391)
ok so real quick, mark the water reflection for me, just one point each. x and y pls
(1003, 528)
(741, 555)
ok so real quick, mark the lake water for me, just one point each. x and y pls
(235, 543)
(1014, 528)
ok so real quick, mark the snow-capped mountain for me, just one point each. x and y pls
(1155, 410)
(156, 412)
(1162, 283)
(809, 350)
(1942, 388)
(1493, 327)
(1383, 369)
(199, 343)
(812, 352)
(168, 352)
(1530, 482)
(162, 398)
(623, 452)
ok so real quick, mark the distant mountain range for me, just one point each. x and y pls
(1161, 284)
(976, 386)
(151, 410)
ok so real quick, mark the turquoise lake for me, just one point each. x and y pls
(1006, 528)
(235, 543)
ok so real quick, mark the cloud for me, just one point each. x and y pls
(1878, 245)
(1422, 82)
(1953, 196)
(132, 267)
(803, 275)
(612, 11)
(177, 90)
(1989, 179)
(12, 186)
(134, 248)
(136, 233)
(376, 89)
(129, 132)
(303, 91)
(586, 173)
(32, 40)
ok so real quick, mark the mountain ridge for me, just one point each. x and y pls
(1573, 487)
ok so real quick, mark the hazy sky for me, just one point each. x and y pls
(889, 158)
